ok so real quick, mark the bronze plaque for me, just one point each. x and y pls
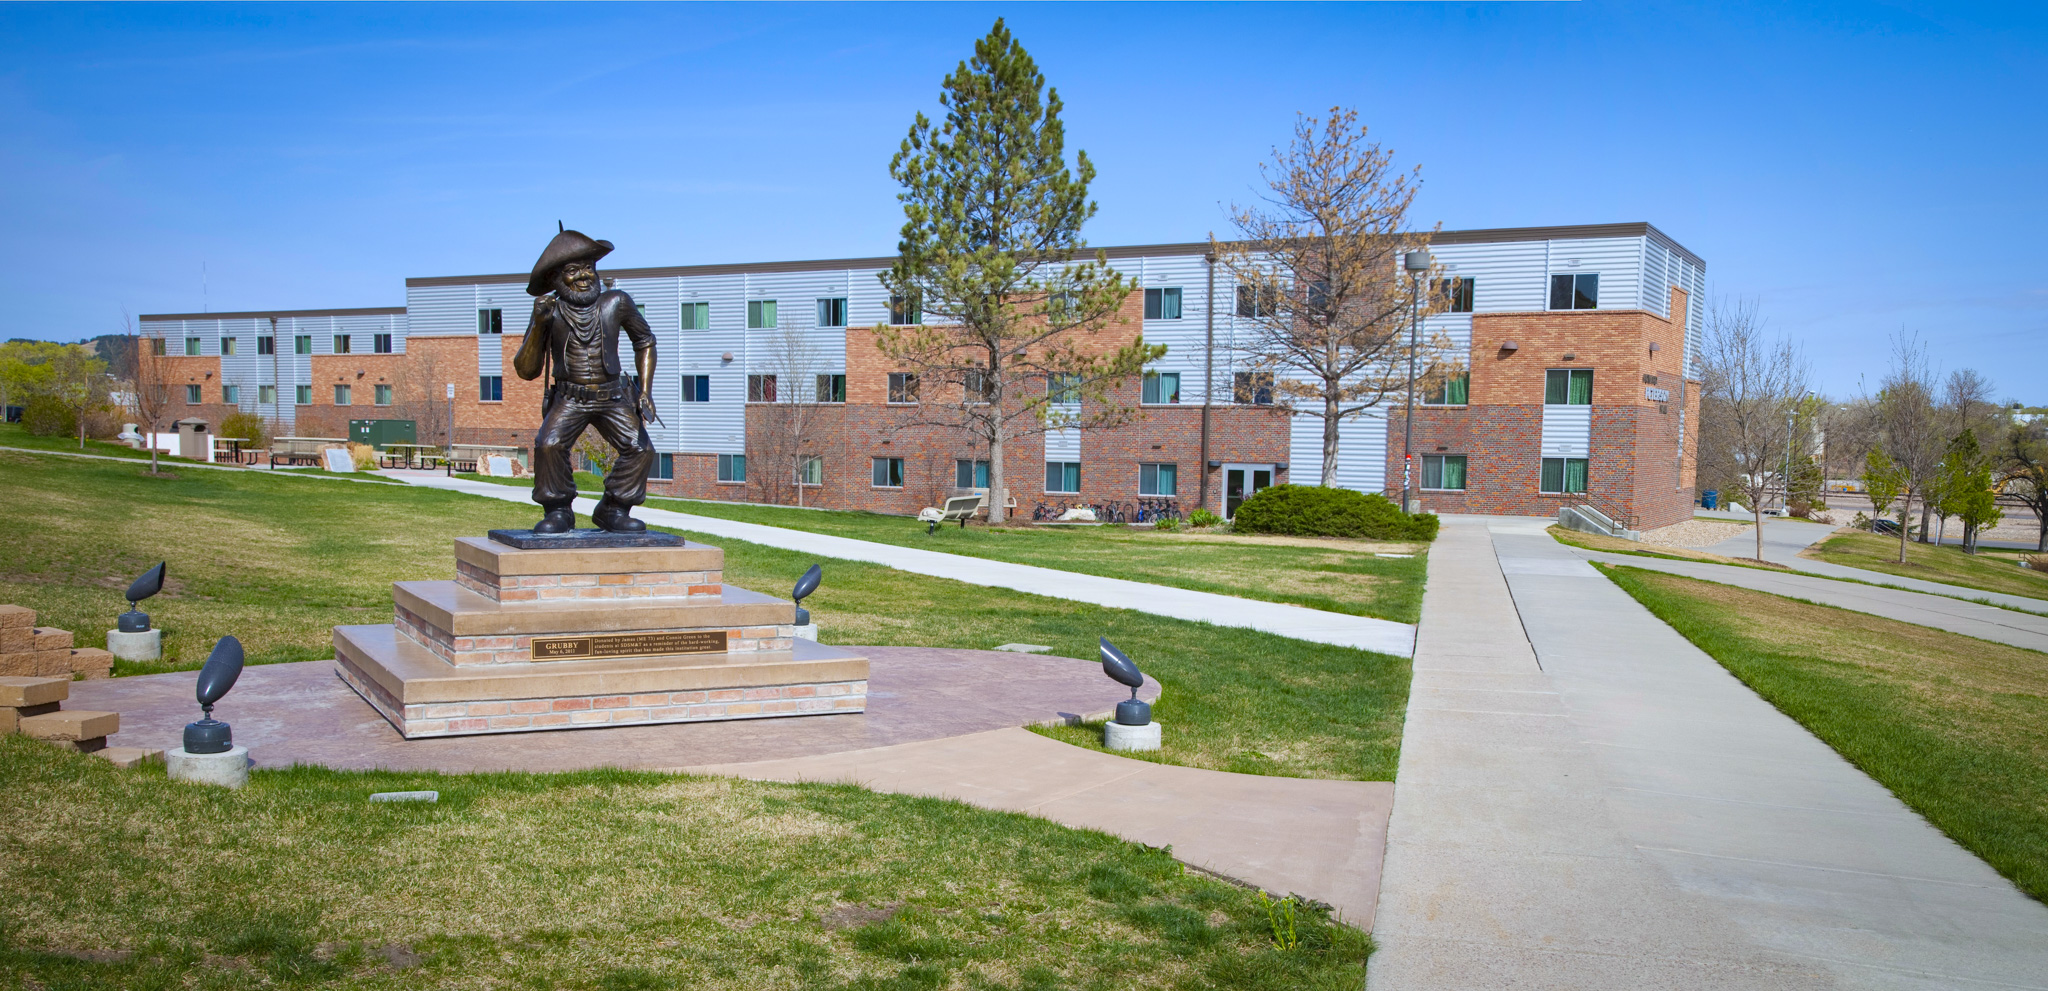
(628, 645)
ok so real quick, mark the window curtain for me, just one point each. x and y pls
(1454, 473)
(1575, 475)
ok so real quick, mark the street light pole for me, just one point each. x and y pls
(1416, 263)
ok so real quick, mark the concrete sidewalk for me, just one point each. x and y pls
(1629, 815)
(1322, 839)
(1784, 540)
(1384, 636)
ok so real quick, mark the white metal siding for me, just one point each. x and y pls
(1567, 431)
(1063, 445)
(1361, 451)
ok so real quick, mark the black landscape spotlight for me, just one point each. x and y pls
(1124, 671)
(223, 666)
(805, 586)
(150, 583)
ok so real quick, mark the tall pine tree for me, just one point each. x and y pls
(1007, 345)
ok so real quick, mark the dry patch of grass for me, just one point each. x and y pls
(123, 879)
(1927, 562)
(1954, 726)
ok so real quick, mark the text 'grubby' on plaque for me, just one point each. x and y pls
(629, 645)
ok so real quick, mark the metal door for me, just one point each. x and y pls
(1241, 482)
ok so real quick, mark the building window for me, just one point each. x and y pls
(302, 344)
(760, 314)
(231, 394)
(696, 388)
(888, 473)
(1453, 391)
(1456, 293)
(227, 345)
(903, 387)
(1575, 292)
(1063, 388)
(905, 311)
(831, 388)
(1158, 480)
(832, 312)
(341, 397)
(266, 394)
(1162, 304)
(490, 388)
(381, 343)
(760, 388)
(191, 346)
(490, 321)
(1564, 475)
(341, 344)
(695, 316)
(1257, 301)
(156, 345)
(976, 386)
(382, 394)
(1444, 471)
(305, 395)
(266, 345)
(664, 467)
(1160, 388)
(970, 474)
(732, 467)
(1253, 388)
(1568, 387)
(192, 397)
(1063, 476)
(811, 471)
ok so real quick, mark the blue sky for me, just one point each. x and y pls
(1861, 170)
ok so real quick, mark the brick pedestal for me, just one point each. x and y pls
(525, 640)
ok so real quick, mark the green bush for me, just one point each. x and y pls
(1315, 511)
(1202, 517)
(1167, 523)
(254, 432)
(44, 416)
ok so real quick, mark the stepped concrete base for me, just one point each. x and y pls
(228, 770)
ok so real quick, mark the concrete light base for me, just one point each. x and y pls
(228, 770)
(145, 646)
(1117, 736)
(807, 632)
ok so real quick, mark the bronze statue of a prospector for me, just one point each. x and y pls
(573, 339)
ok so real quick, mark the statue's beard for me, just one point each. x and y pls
(575, 298)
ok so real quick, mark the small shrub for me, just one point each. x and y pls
(1203, 517)
(1315, 511)
(363, 455)
(1166, 523)
(250, 427)
(44, 416)
(1861, 522)
(1801, 508)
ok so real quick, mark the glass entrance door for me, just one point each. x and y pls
(1241, 482)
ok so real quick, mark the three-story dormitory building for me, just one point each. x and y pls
(1580, 341)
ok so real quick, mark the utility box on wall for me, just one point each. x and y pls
(380, 433)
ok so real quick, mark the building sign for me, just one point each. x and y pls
(1657, 395)
(629, 645)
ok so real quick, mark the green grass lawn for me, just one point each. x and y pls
(602, 880)
(1342, 576)
(1956, 727)
(1927, 562)
(16, 435)
(279, 561)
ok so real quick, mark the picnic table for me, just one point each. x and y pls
(233, 454)
(301, 452)
(471, 457)
(409, 456)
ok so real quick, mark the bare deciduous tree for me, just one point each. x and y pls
(793, 380)
(422, 396)
(1911, 428)
(1319, 277)
(2021, 460)
(1753, 384)
(150, 398)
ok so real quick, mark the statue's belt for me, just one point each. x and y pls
(610, 392)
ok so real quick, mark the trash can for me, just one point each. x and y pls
(1711, 499)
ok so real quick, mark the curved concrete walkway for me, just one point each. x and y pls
(1365, 633)
(1785, 542)
(1587, 800)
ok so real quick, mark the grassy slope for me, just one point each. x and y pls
(1618, 545)
(278, 561)
(1954, 726)
(604, 880)
(1947, 564)
(1335, 575)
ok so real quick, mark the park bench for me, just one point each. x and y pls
(957, 508)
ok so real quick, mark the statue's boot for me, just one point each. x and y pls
(558, 520)
(616, 518)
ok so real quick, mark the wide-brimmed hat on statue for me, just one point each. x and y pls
(568, 246)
